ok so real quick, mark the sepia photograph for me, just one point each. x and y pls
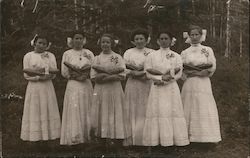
(124, 79)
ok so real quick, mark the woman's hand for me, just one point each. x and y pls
(140, 67)
(83, 77)
(158, 82)
(112, 78)
(73, 74)
(100, 69)
(99, 77)
(46, 77)
(204, 73)
(167, 77)
(154, 71)
(140, 76)
(143, 77)
(115, 70)
(133, 66)
(135, 73)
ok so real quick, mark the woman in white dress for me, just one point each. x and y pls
(78, 95)
(41, 119)
(165, 124)
(108, 97)
(199, 105)
(137, 88)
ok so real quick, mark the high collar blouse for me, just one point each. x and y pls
(136, 56)
(78, 58)
(111, 60)
(194, 55)
(163, 60)
(35, 60)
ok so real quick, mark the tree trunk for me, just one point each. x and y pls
(210, 11)
(240, 17)
(178, 11)
(193, 7)
(54, 11)
(228, 33)
(221, 19)
(76, 21)
(213, 18)
(84, 12)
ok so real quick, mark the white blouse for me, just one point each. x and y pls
(163, 60)
(194, 56)
(136, 56)
(37, 61)
(108, 61)
(78, 58)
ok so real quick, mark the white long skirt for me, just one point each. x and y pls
(107, 110)
(76, 112)
(136, 96)
(165, 123)
(200, 110)
(41, 119)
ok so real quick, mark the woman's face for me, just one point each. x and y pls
(78, 41)
(195, 36)
(140, 41)
(106, 44)
(164, 40)
(41, 45)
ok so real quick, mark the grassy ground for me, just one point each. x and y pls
(230, 87)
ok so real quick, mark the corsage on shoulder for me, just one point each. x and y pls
(205, 52)
(114, 59)
(45, 55)
(146, 53)
(170, 55)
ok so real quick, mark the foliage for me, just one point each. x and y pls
(58, 17)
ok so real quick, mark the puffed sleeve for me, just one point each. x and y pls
(149, 65)
(183, 56)
(64, 69)
(93, 72)
(26, 60)
(26, 65)
(121, 63)
(149, 51)
(53, 63)
(126, 58)
(178, 64)
(91, 55)
(212, 60)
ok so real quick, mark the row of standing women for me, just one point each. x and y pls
(151, 112)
